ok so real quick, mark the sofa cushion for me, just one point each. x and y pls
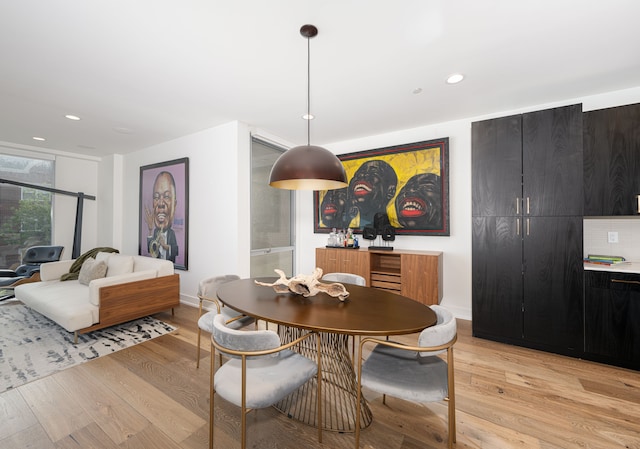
(63, 302)
(92, 269)
(118, 264)
(161, 266)
(103, 255)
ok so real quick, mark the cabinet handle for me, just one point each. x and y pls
(517, 205)
(528, 209)
(517, 226)
(621, 281)
(528, 226)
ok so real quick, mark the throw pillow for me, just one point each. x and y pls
(91, 269)
(119, 264)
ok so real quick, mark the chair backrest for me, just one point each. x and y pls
(208, 287)
(42, 254)
(245, 340)
(348, 278)
(440, 333)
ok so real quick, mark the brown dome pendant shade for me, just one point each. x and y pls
(308, 167)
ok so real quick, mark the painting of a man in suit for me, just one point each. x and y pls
(161, 241)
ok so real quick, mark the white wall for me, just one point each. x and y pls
(219, 169)
(67, 170)
(596, 233)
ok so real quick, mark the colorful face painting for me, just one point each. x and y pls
(408, 182)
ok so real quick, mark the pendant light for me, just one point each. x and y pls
(308, 167)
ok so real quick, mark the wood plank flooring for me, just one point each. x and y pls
(152, 396)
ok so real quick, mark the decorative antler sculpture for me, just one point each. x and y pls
(307, 285)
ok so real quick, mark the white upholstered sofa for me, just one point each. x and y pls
(132, 287)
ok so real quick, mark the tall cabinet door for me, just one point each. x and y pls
(612, 161)
(552, 162)
(497, 167)
(553, 280)
(552, 214)
(497, 228)
(497, 278)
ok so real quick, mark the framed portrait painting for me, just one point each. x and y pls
(164, 211)
(408, 184)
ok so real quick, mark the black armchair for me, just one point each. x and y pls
(31, 261)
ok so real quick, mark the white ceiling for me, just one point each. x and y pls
(140, 72)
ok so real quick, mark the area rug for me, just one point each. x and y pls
(32, 346)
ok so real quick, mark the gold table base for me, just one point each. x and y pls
(339, 386)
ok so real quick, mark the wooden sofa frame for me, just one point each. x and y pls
(122, 302)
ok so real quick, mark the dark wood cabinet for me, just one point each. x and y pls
(612, 318)
(496, 158)
(552, 170)
(527, 229)
(553, 284)
(497, 278)
(612, 161)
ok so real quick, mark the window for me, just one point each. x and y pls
(25, 212)
(271, 215)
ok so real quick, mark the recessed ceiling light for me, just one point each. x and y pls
(40, 139)
(455, 78)
(308, 117)
(417, 90)
(123, 130)
(72, 117)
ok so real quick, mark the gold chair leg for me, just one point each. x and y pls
(243, 424)
(199, 333)
(319, 380)
(358, 396)
(212, 393)
(452, 398)
(198, 350)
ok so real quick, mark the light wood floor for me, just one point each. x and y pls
(152, 396)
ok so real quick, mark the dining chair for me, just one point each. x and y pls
(260, 371)
(347, 278)
(413, 373)
(207, 292)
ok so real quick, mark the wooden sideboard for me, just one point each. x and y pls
(414, 274)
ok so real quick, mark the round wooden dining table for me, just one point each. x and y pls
(366, 311)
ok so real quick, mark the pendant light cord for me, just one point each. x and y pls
(308, 91)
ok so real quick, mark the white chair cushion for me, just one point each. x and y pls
(269, 379)
(205, 322)
(257, 340)
(409, 375)
(208, 287)
(400, 373)
(347, 278)
(442, 332)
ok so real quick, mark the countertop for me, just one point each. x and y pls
(623, 267)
